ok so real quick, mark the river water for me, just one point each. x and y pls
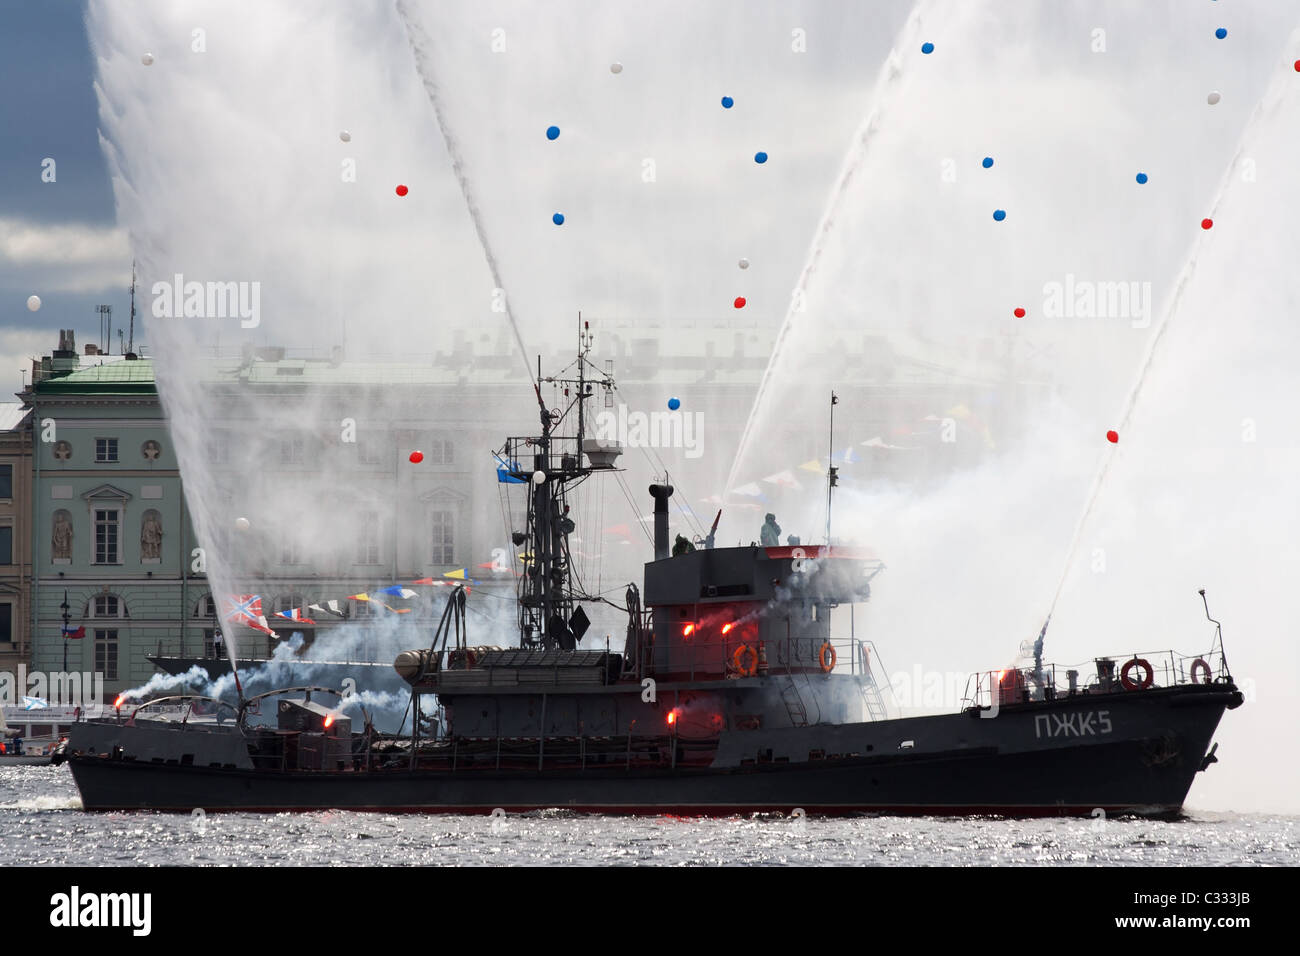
(41, 823)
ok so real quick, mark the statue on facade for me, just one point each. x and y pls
(151, 534)
(61, 545)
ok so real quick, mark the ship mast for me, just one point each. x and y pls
(831, 470)
(551, 463)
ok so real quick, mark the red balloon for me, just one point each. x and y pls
(1112, 437)
(1297, 66)
(740, 302)
(402, 190)
(1020, 313)
(1207, 223)
(417, 457)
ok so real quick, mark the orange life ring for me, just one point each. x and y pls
(738, 658)
(827, 657)
(1148, 675)
(1201, 665)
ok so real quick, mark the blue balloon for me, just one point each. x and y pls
(999, 214)
(1142, 177)
(988, 161)
(927, 47)
(552, 132)
(728, 102)
(674, 403)
(1220, 33)
(558, 219)
(760, 158)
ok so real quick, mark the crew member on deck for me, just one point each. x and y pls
(682, 546)
(770, 536)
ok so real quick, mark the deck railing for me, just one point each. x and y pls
(1103, 675)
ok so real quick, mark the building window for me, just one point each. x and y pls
(109, 605)
(289, 552)
(362, 609)
(368, 538)
(6, 623)
(106, 537)
(369, 451)
(444, 551)
(440, 452)
(105, 449)
(291, 451)
(106, 653)
(6, 481)
(207, 607)
(218, 448)
(6, 545)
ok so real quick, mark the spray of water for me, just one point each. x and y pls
(422, 51)
(885, 97)
(1266, 111)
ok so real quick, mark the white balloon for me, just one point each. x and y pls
(616, 68)
(1213, 98)
(242, 524)
(744, 263)
(539, 477)
(33, 302)
(147, 59)
(345, 136)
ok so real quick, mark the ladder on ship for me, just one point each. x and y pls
(872, 699)
(793, 701)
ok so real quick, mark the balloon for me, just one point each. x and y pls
(728, 102)
(674, 403)
(1214, 97)
(1141, 178)
(1019, 313)
(1207, 223)
(552, 132)
(147, 59)
(402, 190)
(345, 136)
(999, 214)
(539, 477)
(1112, 437)
(242, 524)
(33, 302)
(558, 219)
(988, 161)
(616, 68)
(744, 263)
(417, 457)
(927, 47)
(740, 302)
(760, 158)
(1220, 33)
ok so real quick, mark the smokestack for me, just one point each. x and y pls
(661, 494)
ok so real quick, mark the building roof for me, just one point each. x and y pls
(121, 377)
(11, 415)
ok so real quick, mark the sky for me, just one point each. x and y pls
(1114, 130)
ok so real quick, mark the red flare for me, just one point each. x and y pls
(728, 626)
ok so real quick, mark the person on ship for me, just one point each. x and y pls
(770, 536)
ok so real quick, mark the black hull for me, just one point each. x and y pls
(1148, 773)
